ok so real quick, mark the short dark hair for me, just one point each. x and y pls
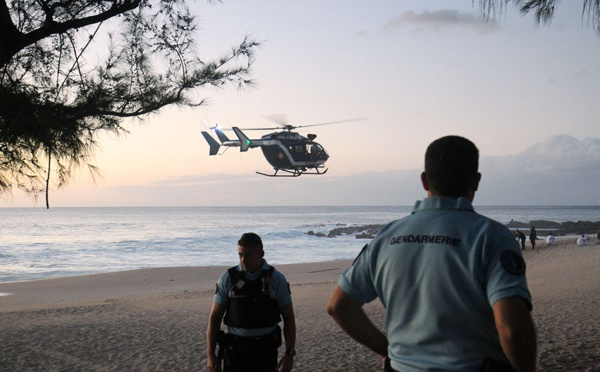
(451, 165)
(250, 240)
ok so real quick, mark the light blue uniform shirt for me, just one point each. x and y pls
(438, 272)
(279, 291)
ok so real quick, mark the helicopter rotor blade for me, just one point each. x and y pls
(279, 119)
(274, 128)
(291, 127)
(330, 123)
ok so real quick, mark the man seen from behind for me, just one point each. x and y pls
(452, 281)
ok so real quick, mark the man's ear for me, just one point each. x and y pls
(476, 182)
(424, 181)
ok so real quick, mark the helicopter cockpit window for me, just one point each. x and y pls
(298, 149)
(316, 149)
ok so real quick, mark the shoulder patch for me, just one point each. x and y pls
(513, 262)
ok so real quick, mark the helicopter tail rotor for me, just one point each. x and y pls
(219, 132)
(216, 129)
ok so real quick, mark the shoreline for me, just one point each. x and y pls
(155, 319)
(560, 239)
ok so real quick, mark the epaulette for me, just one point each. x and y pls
(267, 273)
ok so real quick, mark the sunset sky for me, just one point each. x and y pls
(414, 70)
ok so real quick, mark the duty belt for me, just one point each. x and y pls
(228, 340)
(258, 339)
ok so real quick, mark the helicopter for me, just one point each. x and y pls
(289, 153)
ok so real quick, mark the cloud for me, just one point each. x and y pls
(368, 188)
(562, 170)
(362, 33)
(580, 75)
(556, 154)
(437, 20)
(207, 179)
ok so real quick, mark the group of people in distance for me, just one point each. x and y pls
(520, 235)
(583, 240)
(452, 283)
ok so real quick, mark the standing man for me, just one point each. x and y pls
(452, 281)
(521, 235)
(532, 236)
(253, 297)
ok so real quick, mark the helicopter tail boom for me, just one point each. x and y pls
(214, 145)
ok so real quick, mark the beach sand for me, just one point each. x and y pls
(155, 319)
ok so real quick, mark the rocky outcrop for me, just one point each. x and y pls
(556, 228)
(359, 231)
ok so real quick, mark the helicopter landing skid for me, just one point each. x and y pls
(293, 172)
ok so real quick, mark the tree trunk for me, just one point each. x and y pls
(48, 180)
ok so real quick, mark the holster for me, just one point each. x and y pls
(222, 344)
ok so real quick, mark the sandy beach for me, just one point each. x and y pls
(155, 319)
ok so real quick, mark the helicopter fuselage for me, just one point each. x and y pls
(289, 150)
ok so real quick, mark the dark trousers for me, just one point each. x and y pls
(251, 354)
(250, 359)
(388, 367)
(491, 365)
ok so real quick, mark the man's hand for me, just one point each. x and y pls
(286, 363)
(212, 334)
(213, 363)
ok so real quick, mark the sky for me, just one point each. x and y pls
(414, 71)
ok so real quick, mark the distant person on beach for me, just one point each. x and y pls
(583, 240)
(532, 236)
(521, 236)
(253, 298)
(550, 239)
(451, 280)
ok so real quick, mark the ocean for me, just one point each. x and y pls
(37, 243)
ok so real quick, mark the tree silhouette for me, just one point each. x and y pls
(73, 69)
(543, 9)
